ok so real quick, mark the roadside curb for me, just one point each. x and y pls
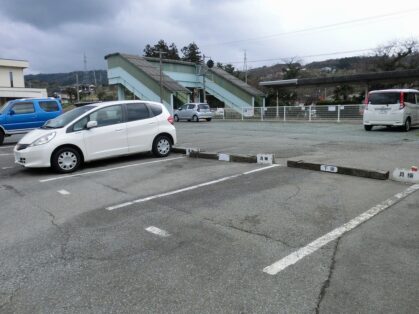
(197, 153)
(357, 172)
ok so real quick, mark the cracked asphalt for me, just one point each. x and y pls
(69, 254)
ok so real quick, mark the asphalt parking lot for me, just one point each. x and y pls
(184, 235)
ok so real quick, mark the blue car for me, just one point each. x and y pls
(23, 115)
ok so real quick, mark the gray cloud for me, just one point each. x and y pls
(53, 35)
(44, 14)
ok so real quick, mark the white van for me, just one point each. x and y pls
(392, 107)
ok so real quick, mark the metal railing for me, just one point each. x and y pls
(335, 113)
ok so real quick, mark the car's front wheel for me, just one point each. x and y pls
(66, 160)
(176, 118)
(407, 125)
(162, 146)
(1, 137)
(195, 119)
(368, 127)
(208, 119)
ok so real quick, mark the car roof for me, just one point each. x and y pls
(395, 90)
(119, 102)
(38, 99)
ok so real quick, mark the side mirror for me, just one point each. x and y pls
(11, 112)
(91, 124)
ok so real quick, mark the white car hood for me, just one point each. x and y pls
(33, 135)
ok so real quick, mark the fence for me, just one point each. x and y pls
(336, 113)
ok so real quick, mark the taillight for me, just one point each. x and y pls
(402, 105)
(366, 103)
(170, 119)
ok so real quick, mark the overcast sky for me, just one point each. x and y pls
(53, 35)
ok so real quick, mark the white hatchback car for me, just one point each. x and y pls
(97, 131)
(392, 107)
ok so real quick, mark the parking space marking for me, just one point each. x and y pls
(312, 247)
(109, 169)
(158, 231)
(64, 192)
(189, 188)
(7, 147)
(4, 168)
(260, 169)
(6, 154)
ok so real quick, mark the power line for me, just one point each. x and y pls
(311, 56)
(316, 28)
(306, 56)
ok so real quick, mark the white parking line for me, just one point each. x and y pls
(158, 231)
(260, 169)
(64, 192)
(312, 247)
(7, 147)
(6, 154)
(4, 168)
(189, 188)
(109, 169)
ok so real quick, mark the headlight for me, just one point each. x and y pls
(43, 139)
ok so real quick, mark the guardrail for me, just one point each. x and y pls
(336, 113)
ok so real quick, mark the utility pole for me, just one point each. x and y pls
(245, 66)
(94, 76)
(203, 79)
(161, 74)
(77, 87)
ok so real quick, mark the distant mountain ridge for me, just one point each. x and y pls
(100, 77)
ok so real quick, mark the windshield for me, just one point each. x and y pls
(66, 118)
(3, 108)
(384, 98)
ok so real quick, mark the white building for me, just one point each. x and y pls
(12, 82)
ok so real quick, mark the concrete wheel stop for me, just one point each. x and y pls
(197, 153)
(357, 172)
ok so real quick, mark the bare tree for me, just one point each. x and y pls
(397, 54)
(292, 68)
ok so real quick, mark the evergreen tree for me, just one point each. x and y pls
(153, 51)
(173, 52)
(191, 53)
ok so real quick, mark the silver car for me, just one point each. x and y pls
(193, 112)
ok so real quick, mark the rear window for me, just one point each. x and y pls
(383, 98)
(49, 106)
(137, 112)
(155, 109)
(203, 106)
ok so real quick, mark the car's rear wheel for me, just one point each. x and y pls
(407, 125)
(195, 119)
(208, 119)
(176, 118)
(1, 137)
(368, 127)
(162, 146)
(66, 160)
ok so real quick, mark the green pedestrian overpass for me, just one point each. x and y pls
(182, 82)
